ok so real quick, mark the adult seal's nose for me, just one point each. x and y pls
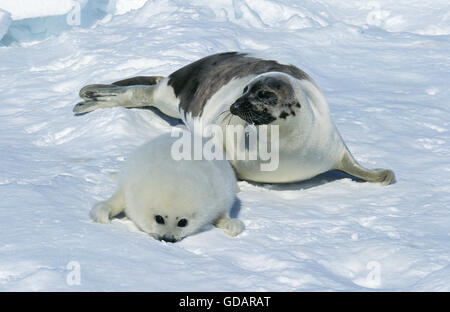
(234, 108)
(237, 106)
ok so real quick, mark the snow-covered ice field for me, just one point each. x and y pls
(384, 68)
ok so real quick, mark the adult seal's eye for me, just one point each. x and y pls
(182, 223)
(159, 219)
(264, 95)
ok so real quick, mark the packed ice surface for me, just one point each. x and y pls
(5, 21)
(38, 19)
(384, 69)
(21, 9)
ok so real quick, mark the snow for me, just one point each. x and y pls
(384, 69)
(124, 6)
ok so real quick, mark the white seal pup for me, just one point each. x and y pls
(237, 89)
(171, 199)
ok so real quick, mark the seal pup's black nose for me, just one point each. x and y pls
(168, 239)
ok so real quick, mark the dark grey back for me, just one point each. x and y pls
(197, 82)
(139, 80)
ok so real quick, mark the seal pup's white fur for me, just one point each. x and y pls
(171, 199)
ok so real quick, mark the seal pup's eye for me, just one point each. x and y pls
(182, 223)
(159, 219)
(245, 89)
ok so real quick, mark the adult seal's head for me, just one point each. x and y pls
(266, 99)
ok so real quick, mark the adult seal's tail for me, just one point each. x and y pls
(237, 89)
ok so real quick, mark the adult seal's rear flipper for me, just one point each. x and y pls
(131, 92)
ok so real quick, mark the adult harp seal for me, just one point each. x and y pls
(254, 91)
